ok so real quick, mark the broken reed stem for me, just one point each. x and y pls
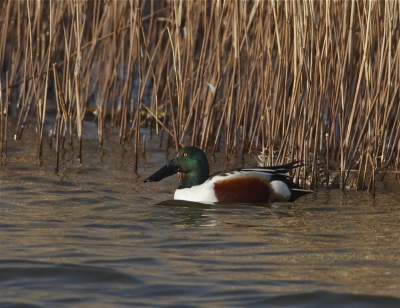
(78, 31)
(171, 92)
(41, 110)
(308, 79)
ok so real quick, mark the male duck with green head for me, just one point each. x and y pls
(258, 184)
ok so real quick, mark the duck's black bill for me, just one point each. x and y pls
(169, 169)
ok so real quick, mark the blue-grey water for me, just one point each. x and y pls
(95, 236)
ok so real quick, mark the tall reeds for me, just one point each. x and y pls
(303, 78)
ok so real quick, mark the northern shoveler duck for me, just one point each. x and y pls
(258, 184)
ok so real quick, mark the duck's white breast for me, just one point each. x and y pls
(200, 193)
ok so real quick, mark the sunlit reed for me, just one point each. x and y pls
(307, 79)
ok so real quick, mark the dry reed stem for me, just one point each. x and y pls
(304, 78)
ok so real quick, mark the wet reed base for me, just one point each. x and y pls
(305, 80)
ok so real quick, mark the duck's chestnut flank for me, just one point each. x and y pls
(245, 188)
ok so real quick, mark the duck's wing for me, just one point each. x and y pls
(270, 172)
(280, 169)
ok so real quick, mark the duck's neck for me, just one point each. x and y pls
(195, 177)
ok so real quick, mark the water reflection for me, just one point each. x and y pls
(205, 214)
(186, 213)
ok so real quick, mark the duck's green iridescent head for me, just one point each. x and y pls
(191, 161)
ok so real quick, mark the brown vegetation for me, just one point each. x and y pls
(316, 78)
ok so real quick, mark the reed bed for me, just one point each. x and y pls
(299, 78)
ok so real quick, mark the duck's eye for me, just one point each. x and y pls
(185, 154)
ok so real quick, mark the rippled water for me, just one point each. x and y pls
(96, 236)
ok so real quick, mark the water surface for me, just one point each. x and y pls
(95, 236)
